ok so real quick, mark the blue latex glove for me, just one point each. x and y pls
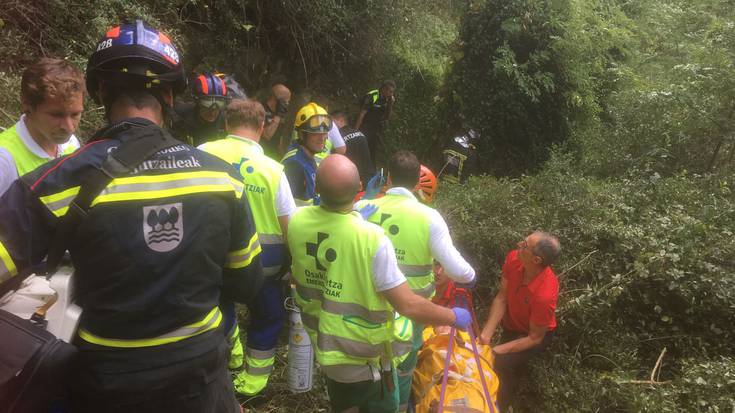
(374, 185)
(463, 318)
(367, 211)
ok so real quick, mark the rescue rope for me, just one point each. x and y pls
(479, 369)
(448, 359)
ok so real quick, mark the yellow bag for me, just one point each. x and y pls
(464, 391)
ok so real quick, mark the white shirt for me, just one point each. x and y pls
(285, 204)
(335, 137)
(8, 170)
(440, 242)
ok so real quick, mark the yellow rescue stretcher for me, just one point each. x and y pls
(463, 391)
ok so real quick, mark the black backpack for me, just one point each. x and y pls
(34, 367)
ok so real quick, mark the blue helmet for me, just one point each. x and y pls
(209, 85)
(135, 56)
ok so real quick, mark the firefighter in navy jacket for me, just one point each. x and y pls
(154, 252)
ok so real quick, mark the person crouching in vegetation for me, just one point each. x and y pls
(526, 303)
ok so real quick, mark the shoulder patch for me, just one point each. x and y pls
(163, 226)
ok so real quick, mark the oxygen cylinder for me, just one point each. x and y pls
(300, 355)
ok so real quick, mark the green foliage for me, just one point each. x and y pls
(529, 71)
(673, 109)
(646, 264)
(9, 103)
(420, 49)
(623, 109)
(572, 385)
(321, 48)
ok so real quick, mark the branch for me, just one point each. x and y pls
(10, 118)
(664, 337)
(602, 357)
(654, 373)
(644, 382)
(579, 262)
(658, 364)
(303, 60)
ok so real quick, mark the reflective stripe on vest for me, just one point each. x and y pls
(406, 222)
(375, 94)
(7, 266)
(450, 156)
(339, 308)
(25, 160)
(355, 348)
(402, 338)
(290, 154)
(262, 177)
(333, 268)
(149, 187)
(211, 321)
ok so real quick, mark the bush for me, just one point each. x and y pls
(671, 109)
(565, 383)
(339, 50)
(527, 73)
(646, 264)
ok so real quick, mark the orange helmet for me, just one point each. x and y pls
(426, 187)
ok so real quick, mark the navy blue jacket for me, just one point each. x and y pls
(300, 170)
(156, 248)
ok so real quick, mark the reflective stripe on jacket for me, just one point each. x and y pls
(155, 251)
(349, 323)
(262, 177)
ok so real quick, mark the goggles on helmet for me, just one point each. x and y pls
(212, 103)
(317, 124)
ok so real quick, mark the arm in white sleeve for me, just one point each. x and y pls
(443, 250)
(386, 274)
(335, 137)
(8, 172)
(285, 205)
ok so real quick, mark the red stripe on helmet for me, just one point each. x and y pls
(203, 82)
(114, 32)
(170, 60)
(163, 38)
(224, 88)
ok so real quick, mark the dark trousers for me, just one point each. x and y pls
(375, 144)
(136, 382)
(267, 315)
(510, 366)
(363, 396)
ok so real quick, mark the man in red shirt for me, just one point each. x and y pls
(526, 304)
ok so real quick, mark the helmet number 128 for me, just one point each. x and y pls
(104, 44)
